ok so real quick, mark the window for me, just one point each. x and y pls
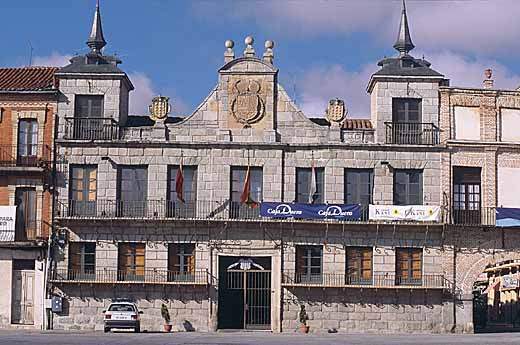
(359, 265)
(131, 261)
(83, 190)
(27, 142)
(408, 266)
(238, 178)
(25, 201)
(181, 261)
(510, 118)
(122, 307)
(309, 264)
(467, 123)
(175, 207)
(303, 185)
(88, 106)
(466, 195)
(359, 185)
(508, 187)
(88, 119)
(408, 187)
(406, 110)
(82, 260)
(132, 190)
(407, 127)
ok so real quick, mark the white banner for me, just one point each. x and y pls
(418, 213)
(7, 223)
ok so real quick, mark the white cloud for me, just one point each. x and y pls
(54, 60)
(142, 95)
(319, 85)
(145, 90)
(468, 26)
(469, 72)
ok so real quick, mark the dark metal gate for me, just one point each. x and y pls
(244, 293)
(255, 286)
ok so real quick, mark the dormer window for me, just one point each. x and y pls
(406, 63)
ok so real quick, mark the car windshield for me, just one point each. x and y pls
(121, 307)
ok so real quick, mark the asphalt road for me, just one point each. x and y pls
(262, 338)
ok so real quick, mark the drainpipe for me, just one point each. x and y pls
(47, 315)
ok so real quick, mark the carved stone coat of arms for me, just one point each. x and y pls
(247, 106)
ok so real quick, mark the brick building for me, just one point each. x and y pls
(209, 213)
(28, 104)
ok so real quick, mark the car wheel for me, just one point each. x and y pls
(107, 329)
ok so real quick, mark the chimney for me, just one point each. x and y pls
(488, 82)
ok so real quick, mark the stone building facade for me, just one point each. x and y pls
(28, 104)
(205, 248)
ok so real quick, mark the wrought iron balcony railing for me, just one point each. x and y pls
(164, 209)
(91, 128)
(29, 155)
(377, 280)
(480, 217)
(115, 276)
(410, 133)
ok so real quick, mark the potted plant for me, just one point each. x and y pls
(302, 315)
(166, 316)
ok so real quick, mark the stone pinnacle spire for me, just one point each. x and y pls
(404, 42)
(96, 41)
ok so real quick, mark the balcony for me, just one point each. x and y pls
(410, 133)
(78, 128)
(377, 281)
(481, 217)
(25, 156)
(115, 276)
(167, 210)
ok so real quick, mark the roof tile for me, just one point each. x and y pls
(27, 79)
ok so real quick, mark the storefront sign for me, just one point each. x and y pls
(509, 282)
(7, 223)
(418, 213)
(508, 217)
(310, 211)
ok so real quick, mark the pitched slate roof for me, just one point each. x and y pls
(27, 79)
(407, 66)
(145, 120)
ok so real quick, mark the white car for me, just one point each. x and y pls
(122, 315)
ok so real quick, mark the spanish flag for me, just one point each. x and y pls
(179, 184)
(245, 197)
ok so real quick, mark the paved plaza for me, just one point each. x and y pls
(235, 338)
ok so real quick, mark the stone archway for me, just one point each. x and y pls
(471, 265)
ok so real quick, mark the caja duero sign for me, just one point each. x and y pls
(309, 211)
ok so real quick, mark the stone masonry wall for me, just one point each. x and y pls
(368, 310)
(84, 306)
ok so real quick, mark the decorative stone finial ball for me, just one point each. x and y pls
(488, 73)
(249, 40)
(229, 44)
(269, 44)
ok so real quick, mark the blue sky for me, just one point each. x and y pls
(324, 49)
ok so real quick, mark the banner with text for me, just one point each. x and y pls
(418, 213)
(508, 217)
(7, 223)
(310, 211)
